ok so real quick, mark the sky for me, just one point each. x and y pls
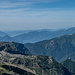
(36, 14)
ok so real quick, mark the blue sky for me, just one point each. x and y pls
(36, 14)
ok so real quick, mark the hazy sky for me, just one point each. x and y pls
(36, 14)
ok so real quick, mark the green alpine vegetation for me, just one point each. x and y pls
(16, 59)
(14, 48)
(30, 65)
(60, 47)
(70, 65)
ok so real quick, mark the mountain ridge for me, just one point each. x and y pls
(36, 36)
(59, 47)
(15, 48)
(31, 65)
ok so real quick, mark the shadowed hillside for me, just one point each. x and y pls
(60, 48)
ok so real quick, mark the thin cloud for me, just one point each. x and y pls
(22, 3)
(14, 5)
(11, 7)
(24, 13)
(30, 1)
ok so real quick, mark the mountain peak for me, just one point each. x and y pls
(14, 48)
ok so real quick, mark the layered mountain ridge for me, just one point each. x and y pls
(33, 36)
(60, 48)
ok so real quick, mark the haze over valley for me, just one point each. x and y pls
(37, 37)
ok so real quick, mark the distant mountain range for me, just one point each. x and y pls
(2, 34)
(60, 47)
(35, 35)
(17, 32)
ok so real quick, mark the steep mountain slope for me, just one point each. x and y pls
(14, 48)
(70, 65)
(12, 70)
(70, 30)
(30, 65)
(59, 48)
(72, 56)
